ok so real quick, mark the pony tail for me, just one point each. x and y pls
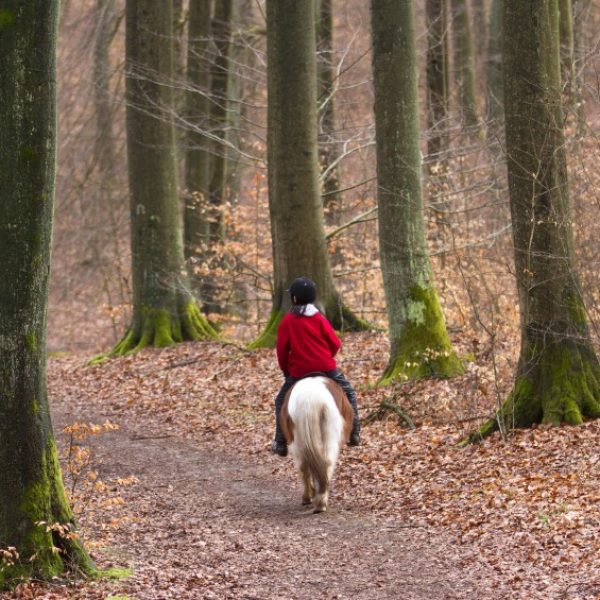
(318, 435)
(298, 309)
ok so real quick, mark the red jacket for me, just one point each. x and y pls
(306, 344)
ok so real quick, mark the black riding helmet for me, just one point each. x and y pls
(303, 291)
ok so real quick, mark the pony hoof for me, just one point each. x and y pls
(306, 501)
(319, 510)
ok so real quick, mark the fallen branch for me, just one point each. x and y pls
(386, 407)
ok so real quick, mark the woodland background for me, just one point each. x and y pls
(521, 515)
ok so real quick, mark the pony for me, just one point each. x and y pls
(316, 419)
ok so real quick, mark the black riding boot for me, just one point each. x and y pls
(279, 445)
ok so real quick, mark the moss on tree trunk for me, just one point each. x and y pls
(164, 312)
(422, 347)
(46, 542)
(558, 383)
(419, 341)
(35, 517)
(558, 376)
(159, 327)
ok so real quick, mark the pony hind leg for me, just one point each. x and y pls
(321, 502)
(322, 496)
(309, 491)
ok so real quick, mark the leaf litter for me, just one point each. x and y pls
(209, 513)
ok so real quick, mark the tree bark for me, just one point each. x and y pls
(464, 64)
(164, 311)
(558, 374)
(197, 144)
(219, 107)
(479, 10)
(567, 47)
(580, 12)
(437, 79)
(297, 228)
(420, 346)
(31, 488)
(328, 147)
(494, 87)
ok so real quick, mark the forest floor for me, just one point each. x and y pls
(167, 464)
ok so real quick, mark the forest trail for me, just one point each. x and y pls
(205, 523)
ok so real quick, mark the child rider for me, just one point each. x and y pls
(307, 343)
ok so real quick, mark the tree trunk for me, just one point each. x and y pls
(558, 375)
(328, 146)
(420, 346)
(297, 227)
(494, 88)
(197, 154)
(464, 64)
(164, 310)
(580, 13)
(566, 47)
(242, 60)
(437, 80)
(480, 23)
(31, 488)
(221, 30)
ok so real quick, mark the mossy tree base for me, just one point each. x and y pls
(422, 349)
(160, 328)
(46, 544)
(343, 319)
(268, 337)
(558, 385)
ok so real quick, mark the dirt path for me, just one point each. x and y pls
(207, 524)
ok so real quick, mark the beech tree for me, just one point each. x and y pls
(494, 87)
(437, 78)
(558, 374)
(567, 45)
(464, 63)
(197, 155)
(164, 310)
(297, 228)
(36, 522)
(420, 346)
(328, 148)
(218, 122)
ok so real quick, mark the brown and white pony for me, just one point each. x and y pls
(316, 419)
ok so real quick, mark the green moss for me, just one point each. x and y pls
(31, 341)
(423, 348)
(59, 354)
(268, 337)
(115, 573)
(37, 506)
(45, 554)
(98, 359)
(7, 18)
(159, 328)
(194, 325)
(558, 384)
(13, 575)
